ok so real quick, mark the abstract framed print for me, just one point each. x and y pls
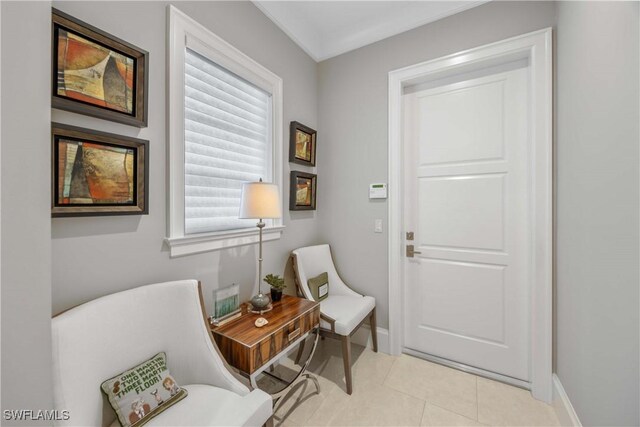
(98, 173)
(302, 144)
(302, 191)
(97, 74)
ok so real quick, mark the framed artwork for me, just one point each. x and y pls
(302, 144)
(302, 191)
(97, 74)
(98, 173)
(226, 302)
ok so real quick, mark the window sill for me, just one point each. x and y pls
(189, 245)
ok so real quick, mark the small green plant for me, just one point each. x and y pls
(275, 281)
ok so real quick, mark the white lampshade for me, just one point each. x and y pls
(260, 200)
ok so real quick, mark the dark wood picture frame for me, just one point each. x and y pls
(140, 206)
(140, 89)
(294, 129)
(293, 191)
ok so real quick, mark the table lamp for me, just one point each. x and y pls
(260, 200)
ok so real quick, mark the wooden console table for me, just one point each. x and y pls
(251, 350)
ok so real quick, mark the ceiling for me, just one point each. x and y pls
(328, 28)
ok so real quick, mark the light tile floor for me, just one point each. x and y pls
(404, 391)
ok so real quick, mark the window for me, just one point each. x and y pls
(226, 143)
(225, 115)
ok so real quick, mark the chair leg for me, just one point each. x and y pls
(269, 422)
(346, 358)
(300, 351)
(374, 330)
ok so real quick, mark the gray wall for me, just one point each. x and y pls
(97, 256)
(597, 210)
(597, 180)
(353, 133)
(26, 225)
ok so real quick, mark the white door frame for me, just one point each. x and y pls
(536, 47)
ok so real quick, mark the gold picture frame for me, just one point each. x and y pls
(302, 144)
(302, 191)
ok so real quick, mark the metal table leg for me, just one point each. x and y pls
(302, 375)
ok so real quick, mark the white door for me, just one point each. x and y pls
(467, 192)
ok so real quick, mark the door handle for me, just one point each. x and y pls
(411, 251)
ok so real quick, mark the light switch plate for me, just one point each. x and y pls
(378, 226)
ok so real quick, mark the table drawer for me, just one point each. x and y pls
(272, 345)
(248, 348)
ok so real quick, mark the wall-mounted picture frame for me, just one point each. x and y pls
(98, 173)
(302, 144)
(97, 74)
(302, 191)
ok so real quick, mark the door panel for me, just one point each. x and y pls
(476, 311)
(467, 168)
(479, 106)
(463, 211)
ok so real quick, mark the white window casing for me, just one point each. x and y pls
(216, 90)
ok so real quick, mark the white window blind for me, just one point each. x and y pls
(227, 142)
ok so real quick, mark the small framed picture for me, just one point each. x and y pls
(302, 144)
(226, 303)
(98, 173)
(97, 74)
(302, 191)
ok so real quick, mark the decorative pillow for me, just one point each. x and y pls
(319, 286)
(142, 392)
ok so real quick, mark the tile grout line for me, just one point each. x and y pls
(452, 411)
(394, 389)
(423, 399)
(477, 402)
(403, 392)
(337, 393)
(317, 408)
(424, 409)
(389, 371)
(324, 399)
(427, 400)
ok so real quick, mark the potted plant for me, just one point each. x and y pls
(277, 285)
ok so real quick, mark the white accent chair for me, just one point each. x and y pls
(344, 310)
(104, 337)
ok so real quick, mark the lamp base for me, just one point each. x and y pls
(262, 311)
(260, 302)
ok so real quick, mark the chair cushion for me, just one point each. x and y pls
(206, 405)
(319, 286)
(347, 311)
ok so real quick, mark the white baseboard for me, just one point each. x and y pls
(363, 337)
(562, 405)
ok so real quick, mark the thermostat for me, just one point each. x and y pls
(378, 191)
